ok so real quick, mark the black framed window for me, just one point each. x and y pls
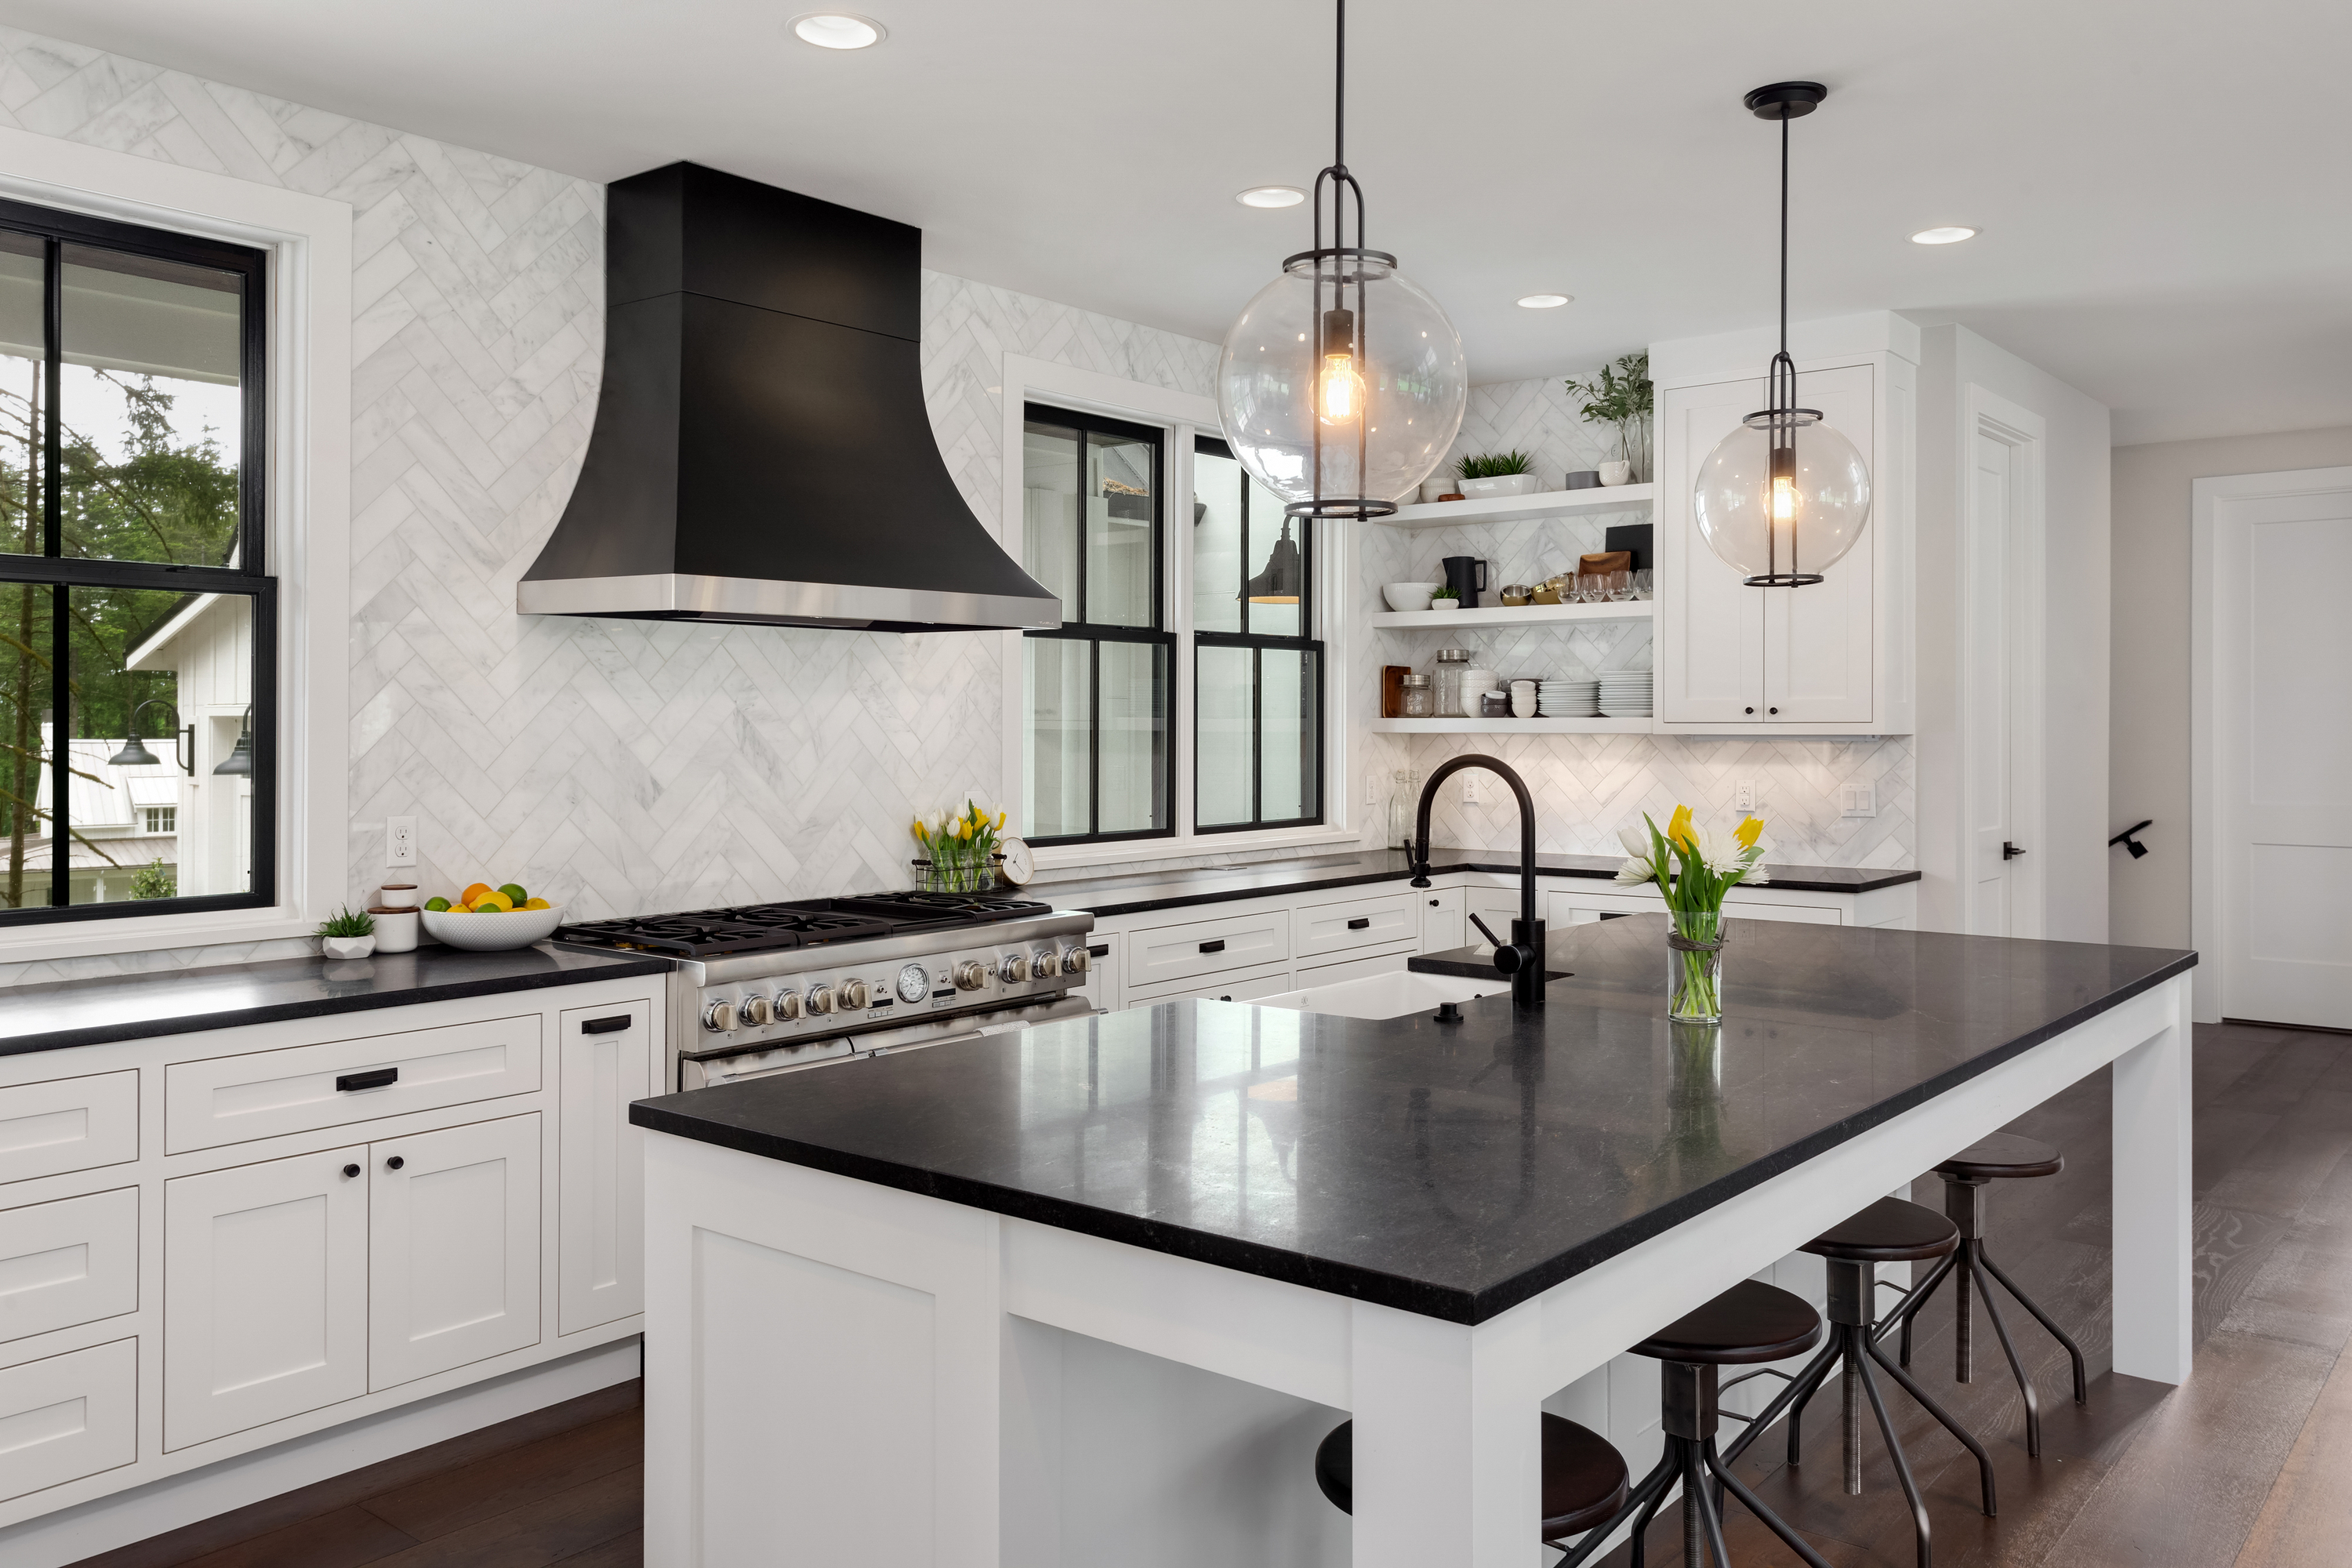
(1100, 762)
(1257, 670)
(138, 618)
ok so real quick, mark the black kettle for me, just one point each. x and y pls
(1466, 575)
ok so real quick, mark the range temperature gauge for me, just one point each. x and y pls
(914, 983)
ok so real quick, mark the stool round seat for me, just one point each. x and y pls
(1889, 1231)
(2003, 1155)
(1751, 1321)
(1583, 1475)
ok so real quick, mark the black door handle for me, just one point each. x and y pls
(1216, 946)
(2009, 851)
(394, 1164)
(1361, 922)
(612, 1024)
(375, 1078)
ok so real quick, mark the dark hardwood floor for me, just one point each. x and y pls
(2249, 1464)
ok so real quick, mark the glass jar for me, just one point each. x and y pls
(1451, 663)
(1420, 698)
(1695, 940)
(1404, 803)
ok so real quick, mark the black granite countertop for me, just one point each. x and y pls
(1453, 1170)
(1144, 891)
(182, 1001)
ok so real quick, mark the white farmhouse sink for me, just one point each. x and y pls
(1390, 995)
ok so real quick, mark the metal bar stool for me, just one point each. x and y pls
(1583, 1476)
(1889, 1231)
(1748, 1323)
(2002, 1156)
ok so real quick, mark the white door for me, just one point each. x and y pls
(2280, 725)
(1710, 627)
(265, 1292)
(607, 1061)
(2000, 666)
(452, 1247)
(1817, 638)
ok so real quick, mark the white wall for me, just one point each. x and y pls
(2074, 572)
(2149, 749)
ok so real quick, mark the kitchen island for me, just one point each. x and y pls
(1432, 1225)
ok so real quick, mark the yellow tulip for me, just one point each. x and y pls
(1678, 829)
(922, 835)
(1749, 832)
(1000, 822)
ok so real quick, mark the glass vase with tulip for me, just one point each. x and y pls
(1693, 868)
(960, 850)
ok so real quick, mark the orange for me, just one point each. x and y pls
(473, 892)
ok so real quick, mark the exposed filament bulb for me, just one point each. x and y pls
(1339, 391)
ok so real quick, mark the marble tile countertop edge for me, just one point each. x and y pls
(1147, 892)
(69, 1013)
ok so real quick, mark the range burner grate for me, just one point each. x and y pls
(807, 922)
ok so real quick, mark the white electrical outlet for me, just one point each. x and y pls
(1372, 787)
(400, 841)
(1858, 799)
(1470, 788)
(1743, 796)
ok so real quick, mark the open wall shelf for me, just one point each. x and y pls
(1512, 726)
(1515, 615)
(1523, 509)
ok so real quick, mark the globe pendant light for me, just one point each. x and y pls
(1342, 385)
(1781, 498)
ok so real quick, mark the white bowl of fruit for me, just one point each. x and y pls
(485, 918)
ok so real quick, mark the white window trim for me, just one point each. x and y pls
(309, 519)
(1181, 415)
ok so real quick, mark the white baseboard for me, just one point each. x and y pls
(104, 1524)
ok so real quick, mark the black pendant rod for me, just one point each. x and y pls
(1340, 93)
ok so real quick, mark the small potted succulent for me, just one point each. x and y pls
(1446, 598)
(1491, 475)
(1620, 395)
(346, 934)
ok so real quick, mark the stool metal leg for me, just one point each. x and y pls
(2025, 1383)
(2073, 1351)
(1764, 1516)
(1908, 1308)
(1698, 1505)
(1943, 1417)
(1963, 1349)
(1780, 1402)
(1902, 1468)
(1803, 1391)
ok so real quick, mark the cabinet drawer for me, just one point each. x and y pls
(1207, 947)
(230, 1100)
(1247, 987)
(72, 1261)
(67, 1124)
(1378, 920)
(67, 1416)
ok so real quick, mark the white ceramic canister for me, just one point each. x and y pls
(1476, 684)
(395, 930)
(396, 896)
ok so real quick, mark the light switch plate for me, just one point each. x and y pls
(1372, 787)
(1743, 796)
(400, 841)
(1858, 799)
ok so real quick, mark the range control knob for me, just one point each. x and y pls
(720, 1017)
(854, 996)
(1074, 960)
(820, 999)
(971, 974)
(1014, 971)
(755, 1012)
(1045, 964)
(788, 1006)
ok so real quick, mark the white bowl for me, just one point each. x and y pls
(1409, 596)
(493, 932)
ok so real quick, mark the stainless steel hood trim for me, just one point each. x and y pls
(845, 604)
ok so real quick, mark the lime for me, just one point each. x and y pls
(515, 895)
(437, 905)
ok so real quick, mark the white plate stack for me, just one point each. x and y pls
(1625, 693)
(1568, 699)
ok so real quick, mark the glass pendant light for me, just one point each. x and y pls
(1781, 498)
(1342, 385)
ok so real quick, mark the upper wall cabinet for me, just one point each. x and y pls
(1832, 658)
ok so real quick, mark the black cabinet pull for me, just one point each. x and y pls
(1748, 710)
(1100, 950)
(1216, 946)
(1772, 710)
(1433, 903)
(394, 1164)
(1225, 999)
(1361, 922)
(375, 1078)
(349, 1171)
(612, 1024)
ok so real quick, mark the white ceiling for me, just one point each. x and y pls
(2162, 187)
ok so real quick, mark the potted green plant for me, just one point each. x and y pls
(1622, 395)
(346, 934)
(1445, 598)
(1493, 474)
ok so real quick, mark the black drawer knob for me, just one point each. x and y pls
(1361, 922)
(612, 1024)
(1216, 946)
(349, 1171)
(394, 1164)
(375, 1078)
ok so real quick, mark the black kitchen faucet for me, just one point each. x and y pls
(1521, 958)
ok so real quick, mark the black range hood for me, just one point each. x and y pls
(761, 453)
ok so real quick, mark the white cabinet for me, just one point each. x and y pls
(265, 1292)
(67, 1416)
(1499, 907)
(67, 1124)
(72, 1261)
(1325, 930)
(1102, 985)
(1441, 924)
(606, 1061)
(452, 1247)
(1166, 954)
(1831, 657)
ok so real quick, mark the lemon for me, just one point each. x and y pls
(538, 904)
(493, 900)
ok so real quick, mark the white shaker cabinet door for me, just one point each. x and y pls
(606, 1062)
(265, 1292)
(1710, 653)
(453, 1247)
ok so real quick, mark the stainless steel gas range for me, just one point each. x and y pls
(773, 988)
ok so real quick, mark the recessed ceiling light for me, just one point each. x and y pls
(1950, 235)
(838, 30)
(1545, 301)
(1271, 196)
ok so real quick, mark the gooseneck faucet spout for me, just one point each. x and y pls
(1521, 958)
